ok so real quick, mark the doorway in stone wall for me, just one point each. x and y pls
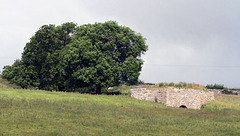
(183, 106)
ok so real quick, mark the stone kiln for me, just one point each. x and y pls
(189, 98)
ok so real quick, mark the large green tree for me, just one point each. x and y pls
(88, 58)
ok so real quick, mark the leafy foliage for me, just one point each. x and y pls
(214, 86)
(87, 58)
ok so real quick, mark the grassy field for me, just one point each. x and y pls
(35, 112)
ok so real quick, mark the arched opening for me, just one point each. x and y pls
(183, 106)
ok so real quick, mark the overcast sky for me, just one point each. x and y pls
(189, 40)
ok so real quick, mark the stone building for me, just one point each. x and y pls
(186, 98)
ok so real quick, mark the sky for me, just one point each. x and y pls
(196, 41)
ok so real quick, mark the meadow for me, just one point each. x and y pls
(37, 112)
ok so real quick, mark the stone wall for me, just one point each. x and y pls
(154, 95)
(174, 97)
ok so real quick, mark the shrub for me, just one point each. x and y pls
(184, 84)
(171, 84)
(228, 92)
(161, 84)
(203, 106)
(179, 85)
(140, 82)
(215, 86)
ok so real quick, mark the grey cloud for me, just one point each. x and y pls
(189, 40)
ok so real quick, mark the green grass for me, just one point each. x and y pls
(6, 84)
(180, 85)
(224, 102)
(123, 90)
(35, 112)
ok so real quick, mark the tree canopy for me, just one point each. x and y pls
(87, 58)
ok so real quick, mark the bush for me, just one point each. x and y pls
(140, 82)
(171, 84)
(184, 84)
(161, 84)
(179, 85)
(228, 92)
(215, 86)
(203, 106)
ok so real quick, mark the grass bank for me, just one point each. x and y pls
(34, 112)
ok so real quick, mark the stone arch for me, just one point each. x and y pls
(183, 106)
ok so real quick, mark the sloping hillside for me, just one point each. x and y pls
(6, 84)
(36, 112)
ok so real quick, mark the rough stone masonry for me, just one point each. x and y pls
(189, 98)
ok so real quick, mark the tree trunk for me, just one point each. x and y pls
(99, 90)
